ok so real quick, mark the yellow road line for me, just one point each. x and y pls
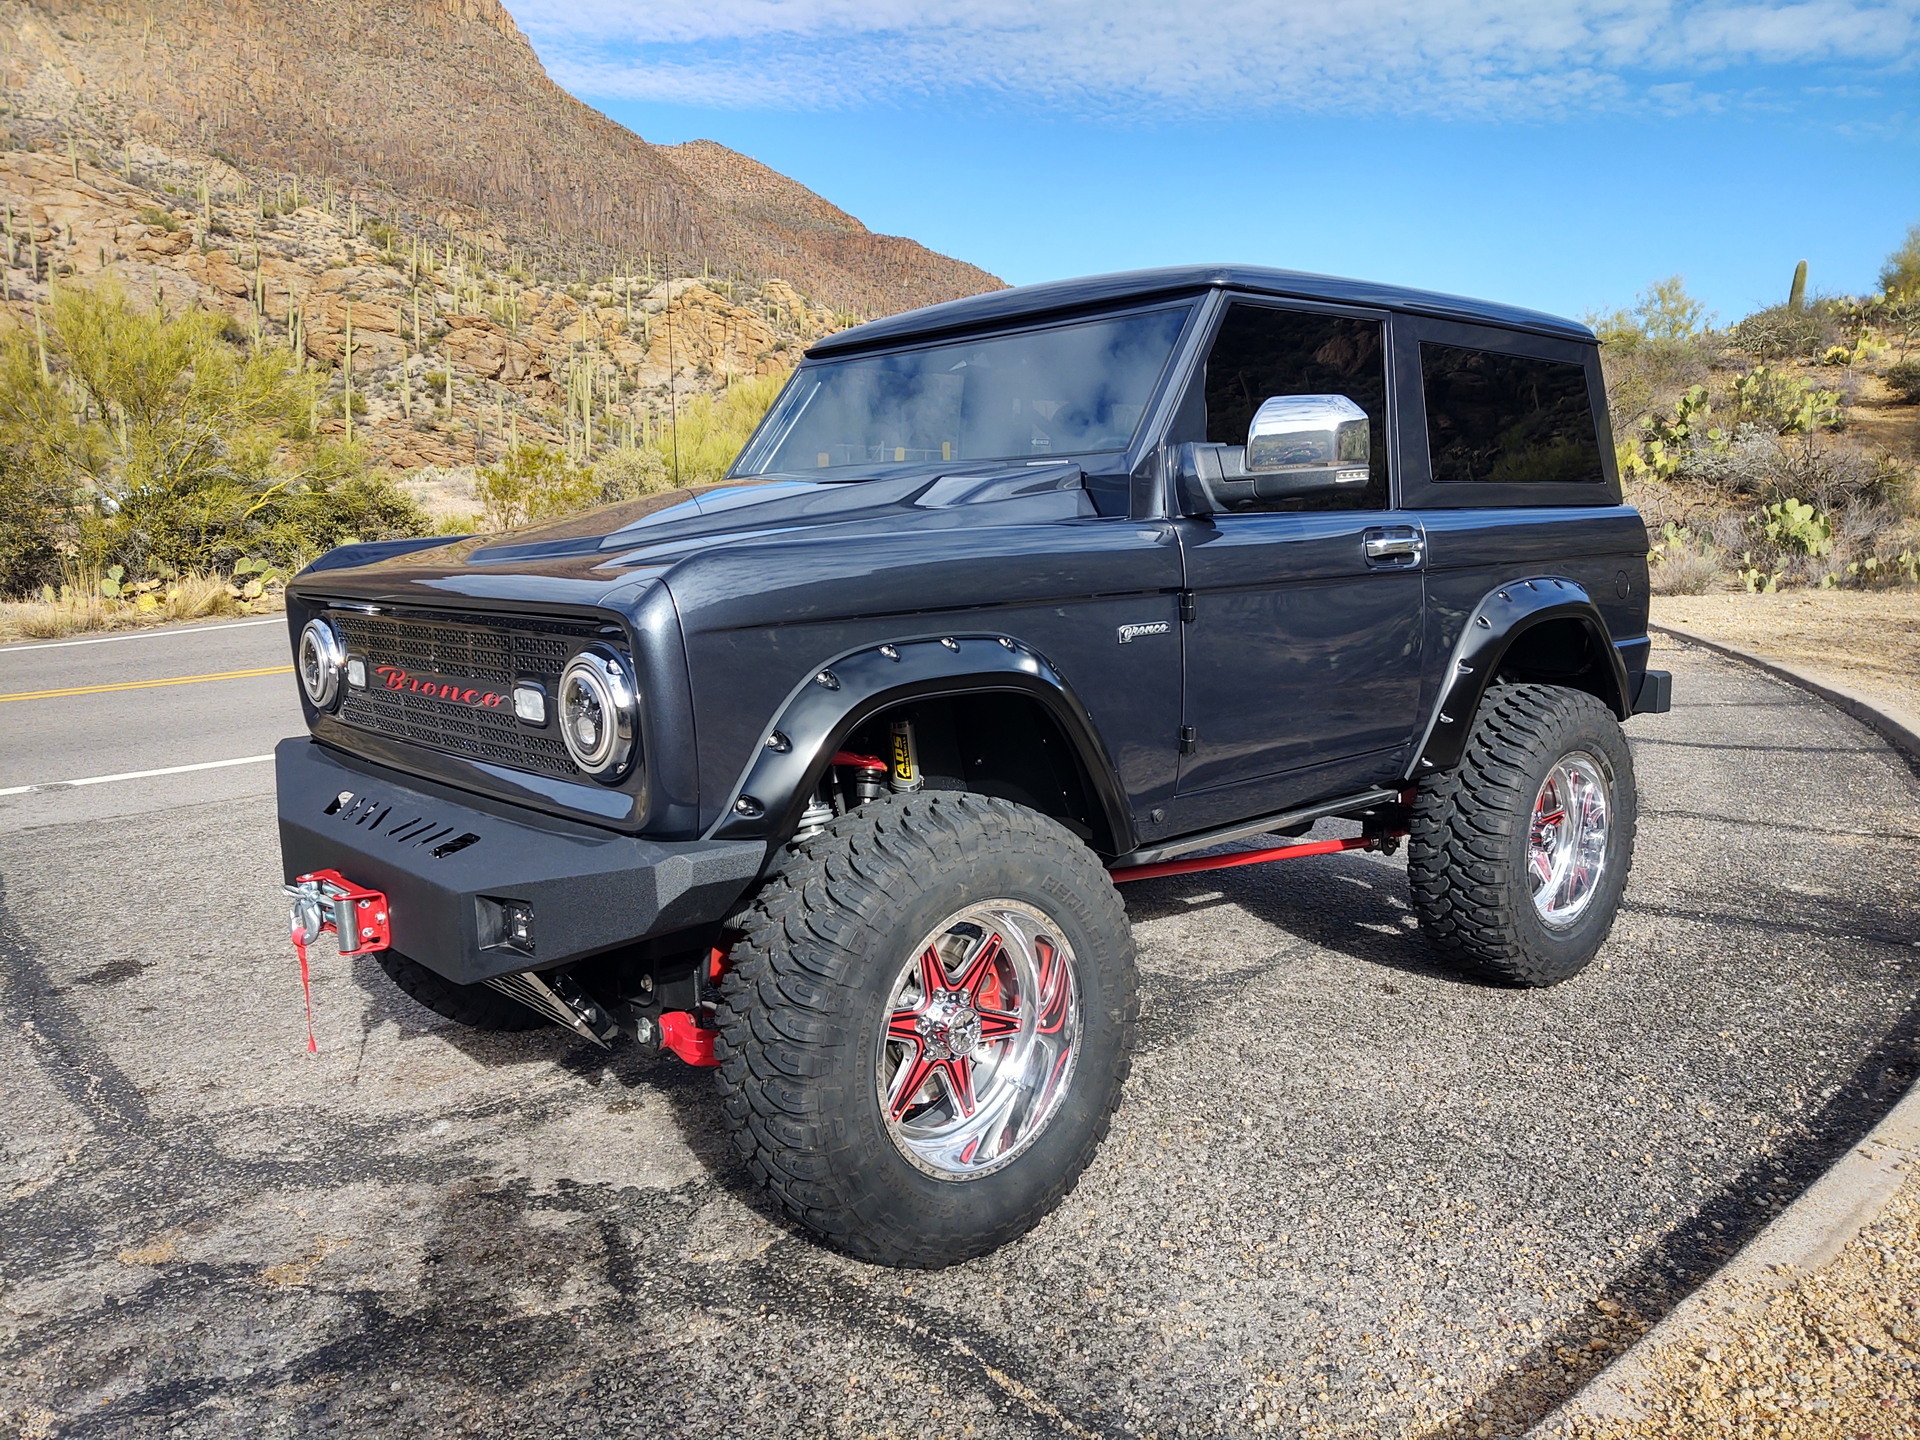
(148, 684)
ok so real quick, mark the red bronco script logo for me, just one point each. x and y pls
(394, 678)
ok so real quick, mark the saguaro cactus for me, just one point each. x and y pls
(1797, 296)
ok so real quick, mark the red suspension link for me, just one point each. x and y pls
(1249, 857)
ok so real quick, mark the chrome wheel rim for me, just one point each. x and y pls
(1567, 839)
(982, 1030)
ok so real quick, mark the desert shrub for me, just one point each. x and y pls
(1903, 378)
(1684, 563)
(181, 451)
(630, 472)
(1757, 465)
(1780, 332)
(534, 483)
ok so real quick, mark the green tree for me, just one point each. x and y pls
(535, 483)
(177, 449)
(1900, 276)
(1663, 312)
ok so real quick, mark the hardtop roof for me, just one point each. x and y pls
(1035, 301)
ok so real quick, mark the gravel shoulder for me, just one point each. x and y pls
(1835, 1356)
(1867, 640)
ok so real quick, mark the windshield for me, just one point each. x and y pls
(1071, 389)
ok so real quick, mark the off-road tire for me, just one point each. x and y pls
(478, 1007)
(1467, 853)
(804, 1000)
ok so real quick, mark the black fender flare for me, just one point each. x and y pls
(820, 712)
(1503, 616)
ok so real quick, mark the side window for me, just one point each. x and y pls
(1508, 419)
(1262, 352)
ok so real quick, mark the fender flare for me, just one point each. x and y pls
(1505, 614)
(822, 710)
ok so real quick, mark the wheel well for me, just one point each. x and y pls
(1562, 652)
(996, 743)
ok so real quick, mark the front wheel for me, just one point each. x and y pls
(1518, 856)
(925, 1026)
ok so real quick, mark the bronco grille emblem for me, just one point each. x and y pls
(455, 692)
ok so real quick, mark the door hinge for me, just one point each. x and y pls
(1189, 739)
(1186, 607)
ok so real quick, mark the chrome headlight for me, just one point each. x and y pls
(321, 660)
(598, 712)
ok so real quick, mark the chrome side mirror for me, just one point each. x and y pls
(1309, 442)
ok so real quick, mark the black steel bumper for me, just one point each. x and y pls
(1655, 696)
(445, 867)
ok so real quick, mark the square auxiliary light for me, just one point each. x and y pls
(357, 671)
(530, 703)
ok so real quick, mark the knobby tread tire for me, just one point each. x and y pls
(1466, 854)
(475, 1006)
(809, 964)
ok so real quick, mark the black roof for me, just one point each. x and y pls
(1056, 295)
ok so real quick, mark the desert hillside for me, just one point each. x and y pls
(438, 109)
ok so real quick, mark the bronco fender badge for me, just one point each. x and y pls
(1134, 632)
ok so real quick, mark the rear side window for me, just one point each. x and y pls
(1504, 419)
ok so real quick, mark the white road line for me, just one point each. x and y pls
(135, 775)
(143, 635)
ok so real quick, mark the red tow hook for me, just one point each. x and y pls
(689, 1041)
(681, 1030)
(325, 900)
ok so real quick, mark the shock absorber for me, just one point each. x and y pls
(903, 776)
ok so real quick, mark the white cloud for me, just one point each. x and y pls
(1192, 57)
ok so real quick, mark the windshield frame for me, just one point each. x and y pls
(774, 426)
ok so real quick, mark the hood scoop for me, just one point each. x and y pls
(1040, 478)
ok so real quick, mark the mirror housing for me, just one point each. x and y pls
(1314, 439)
(1297, 445)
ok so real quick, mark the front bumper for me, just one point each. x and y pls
(446, 866)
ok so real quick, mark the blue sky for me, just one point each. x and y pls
(1559, 155)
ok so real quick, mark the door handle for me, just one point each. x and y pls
(1397, 547)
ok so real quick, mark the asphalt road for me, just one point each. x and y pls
(1348, 1194)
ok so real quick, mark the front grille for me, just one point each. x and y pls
(489, 656)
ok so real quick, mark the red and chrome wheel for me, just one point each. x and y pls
(983, 1028)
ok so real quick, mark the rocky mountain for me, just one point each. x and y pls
(436, 113)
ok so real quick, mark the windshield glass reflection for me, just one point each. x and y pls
(1070, 389)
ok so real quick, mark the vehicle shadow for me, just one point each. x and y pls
(1724, 1221)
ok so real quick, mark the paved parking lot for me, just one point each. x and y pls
(1348, 1194)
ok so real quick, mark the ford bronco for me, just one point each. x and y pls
(825, 775)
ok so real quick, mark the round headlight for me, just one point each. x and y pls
(597, 712)
(322, 661)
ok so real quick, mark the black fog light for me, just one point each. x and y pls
(506, 925)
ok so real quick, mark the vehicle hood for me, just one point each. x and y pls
(602, 556)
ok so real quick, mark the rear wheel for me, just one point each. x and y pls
(1518, 856)
(925, 1026)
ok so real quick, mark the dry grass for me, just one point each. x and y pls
(76, 611)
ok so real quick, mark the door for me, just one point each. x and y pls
(1303, 657)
